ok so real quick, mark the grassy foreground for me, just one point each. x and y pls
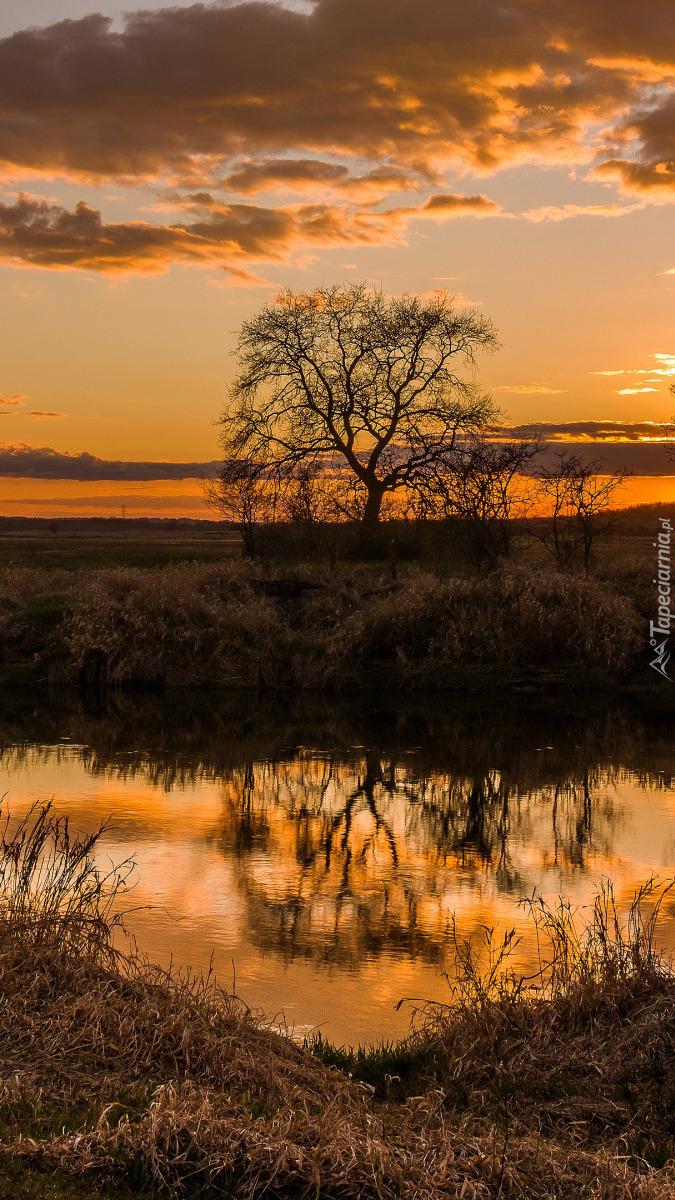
(237, 624)
(119, 1079)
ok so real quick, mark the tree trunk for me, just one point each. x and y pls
(371, 513)
(247, 530)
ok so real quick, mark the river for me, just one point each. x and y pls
(317, 850)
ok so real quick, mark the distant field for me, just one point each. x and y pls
(140, 542)
(616, 551)
(124, 544)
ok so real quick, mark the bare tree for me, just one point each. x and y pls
(243, 494)
(310, 501)
(367, 381)
(577, 496)
(308, 498)
(489, 489)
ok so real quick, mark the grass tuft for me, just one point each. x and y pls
(52, 892)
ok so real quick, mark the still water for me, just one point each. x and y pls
(317, 849)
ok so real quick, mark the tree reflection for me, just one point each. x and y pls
(356, 826)
(343, 856)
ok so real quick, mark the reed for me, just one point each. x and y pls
(247, 625)
(53, 893)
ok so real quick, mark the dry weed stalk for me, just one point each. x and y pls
(52, 892)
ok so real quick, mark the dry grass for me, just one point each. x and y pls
(240, 625)
(51, 892)
(116, 1073)
(580, 1051)
(179, 625)
(513, 618)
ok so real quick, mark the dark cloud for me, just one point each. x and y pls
(640, 178)
(599, 431)
(40, 234)
(414, 82)
(301, 175)
(652, 126)
(642, 458)
(619, 445)
(43, 462)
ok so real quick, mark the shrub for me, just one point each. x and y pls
(178, 625)
(243, 625)
(508, 619)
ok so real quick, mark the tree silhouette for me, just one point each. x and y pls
(578, 496)
(352, 381)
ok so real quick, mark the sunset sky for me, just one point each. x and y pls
(164, 172)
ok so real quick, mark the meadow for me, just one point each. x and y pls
(151, 604)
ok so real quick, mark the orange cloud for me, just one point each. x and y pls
(411, 85)
(36, 233)
(445, 205)
(17, 400)
(39, 415)
(553, 212)
(441, 207)
(283, 175)
(530, 389)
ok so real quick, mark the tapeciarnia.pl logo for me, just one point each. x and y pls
(659, 630)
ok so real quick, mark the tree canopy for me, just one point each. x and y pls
(349, 380)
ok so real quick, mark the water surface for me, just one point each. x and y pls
(318, 850)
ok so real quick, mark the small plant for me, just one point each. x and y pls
(605, 950)
(52, 891)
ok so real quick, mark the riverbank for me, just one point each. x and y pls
(242, 625)
(127, 1080)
